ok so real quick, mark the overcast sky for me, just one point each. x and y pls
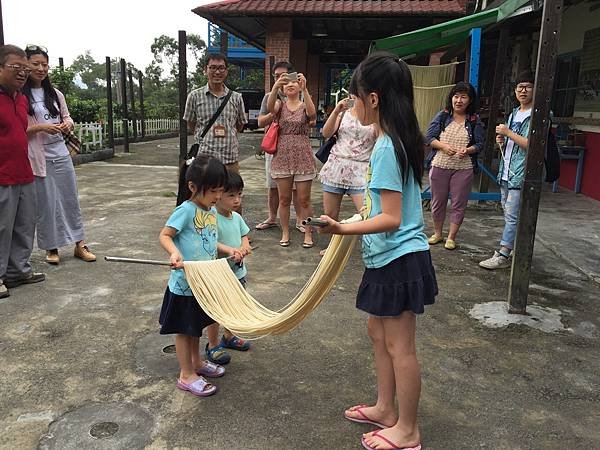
(116, 28)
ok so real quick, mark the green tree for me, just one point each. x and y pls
(63, 79)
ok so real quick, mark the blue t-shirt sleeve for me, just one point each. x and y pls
(244, 229)
(385, 170)
(179, 217)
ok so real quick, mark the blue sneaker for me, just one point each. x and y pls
(217, 355)
(235, 343)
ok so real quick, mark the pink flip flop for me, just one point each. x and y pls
(199, 388)
(387, 441)
(364, 419)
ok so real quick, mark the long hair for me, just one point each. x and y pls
(50, 96)
(389, 77)
(205, 171)
(463, 87)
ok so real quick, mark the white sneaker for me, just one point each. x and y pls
(3, 290)
(497, 261)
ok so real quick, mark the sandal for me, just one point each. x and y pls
(392, 445)
(217, 355)
(211, 370)
(199, 388)
(362, 417)
(284, 243)
(265, 225)
(308, 244)
(235, 343)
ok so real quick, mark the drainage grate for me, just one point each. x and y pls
(101, 426)
(104, 430)
(169, 349)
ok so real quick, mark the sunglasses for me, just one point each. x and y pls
(35, 48)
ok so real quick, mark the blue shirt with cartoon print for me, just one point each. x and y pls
(384, 173)
(196, 240)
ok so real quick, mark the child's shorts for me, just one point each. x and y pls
(181, 314)
(405, 284)
(341, 191)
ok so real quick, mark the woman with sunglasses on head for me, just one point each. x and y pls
(59, 220)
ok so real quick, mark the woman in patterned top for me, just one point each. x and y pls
(456, 135)
(345, 172)
(294, 160)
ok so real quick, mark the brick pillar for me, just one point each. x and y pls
(279, 33)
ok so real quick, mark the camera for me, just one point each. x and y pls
(293, 76)
(350, 103)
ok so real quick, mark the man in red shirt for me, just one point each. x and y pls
(17, 193)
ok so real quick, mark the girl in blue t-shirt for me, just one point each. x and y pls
(190, 234)
(399, 278)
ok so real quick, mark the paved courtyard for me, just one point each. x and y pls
(83, 365)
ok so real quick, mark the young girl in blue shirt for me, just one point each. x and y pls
(190, 234)
(399, 278)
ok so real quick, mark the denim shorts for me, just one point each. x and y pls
(341, 190)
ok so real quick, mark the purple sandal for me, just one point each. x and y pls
(211, 370)
(199, 388)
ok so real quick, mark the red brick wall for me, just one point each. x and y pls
(277, 44)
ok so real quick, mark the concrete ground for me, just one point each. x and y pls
(83, 365)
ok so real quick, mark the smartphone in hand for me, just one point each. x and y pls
(350, 103)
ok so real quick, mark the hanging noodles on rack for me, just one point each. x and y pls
(223, 298)
(432, 84)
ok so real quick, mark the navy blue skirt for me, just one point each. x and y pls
(405, 284)
(181, 314)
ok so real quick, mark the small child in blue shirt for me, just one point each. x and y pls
(232, 236)
(190, 234)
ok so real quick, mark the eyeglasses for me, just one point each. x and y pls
(35, 48)
(17, 68)
(217, 68)
(524, 87)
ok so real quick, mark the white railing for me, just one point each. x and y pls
(92, 134)
(153, 127)
(89, 134)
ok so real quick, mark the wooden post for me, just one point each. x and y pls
(532, 186)
(1, 26)
(271, 64)
(123, 70)
(490, 137)
(109, 105)
(132, 94)
(61, 63)
(142, 111)
(182, 94)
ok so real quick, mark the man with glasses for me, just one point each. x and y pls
(17, 192)
(265, 118)
(220, 140)
(513, 140)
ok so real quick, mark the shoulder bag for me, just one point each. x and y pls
(269, 141)
(325, 150)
